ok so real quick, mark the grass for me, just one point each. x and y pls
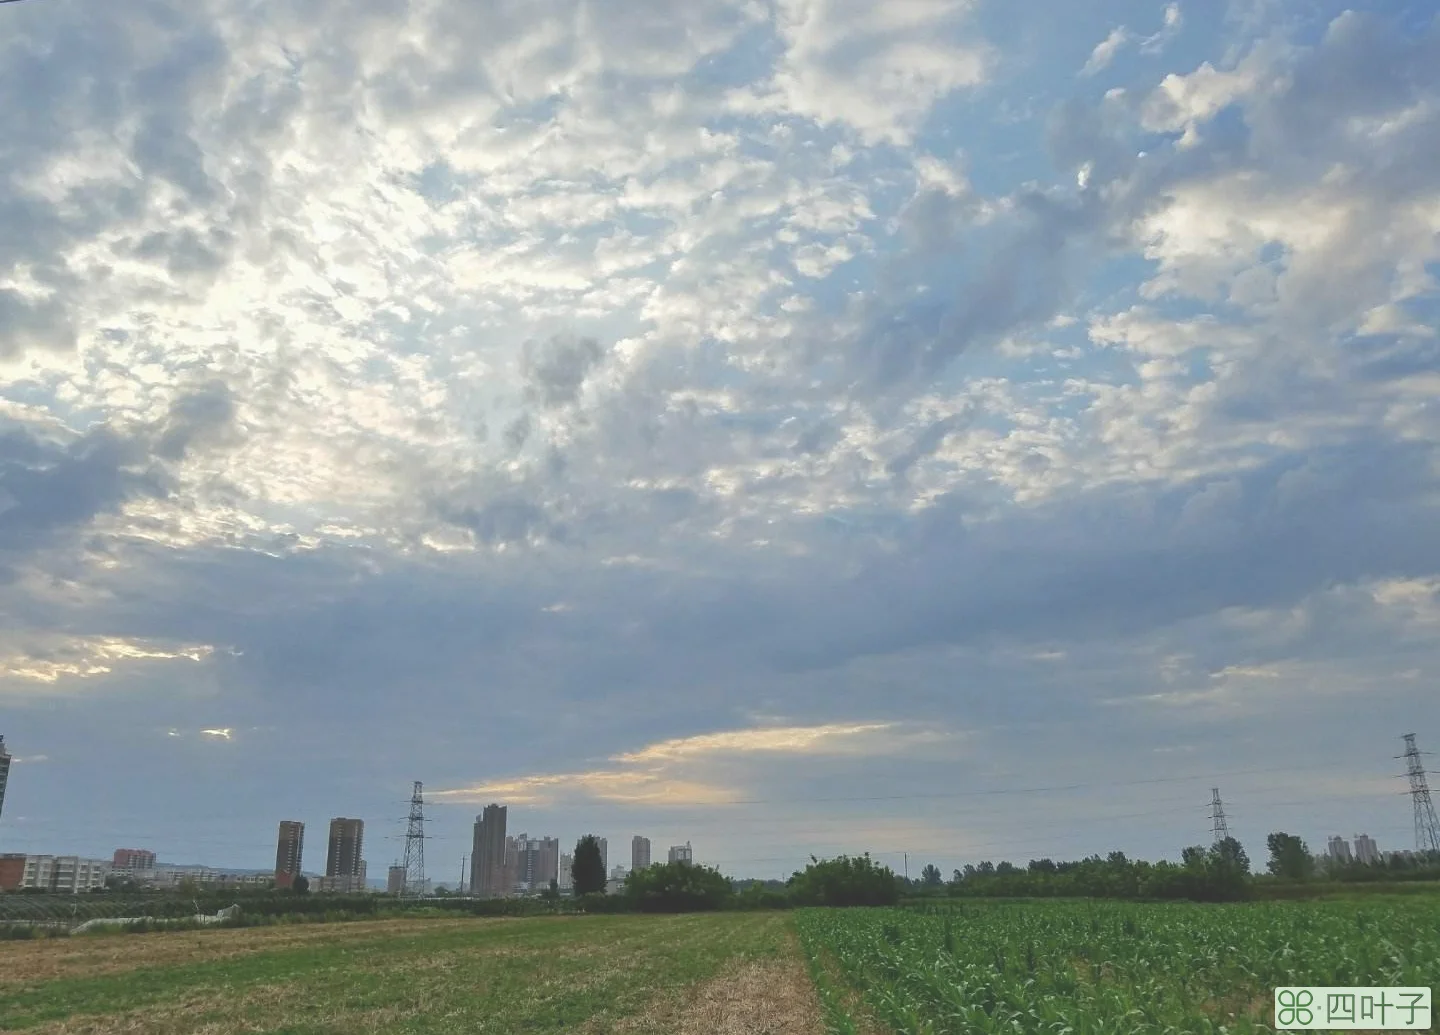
(549, 974)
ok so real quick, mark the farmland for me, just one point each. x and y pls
(588, 974)
(1089, 968)
(1082, 968)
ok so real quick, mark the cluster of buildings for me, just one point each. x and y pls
(1338, 852)
(505, 866)
(74, 875)
(344, 859)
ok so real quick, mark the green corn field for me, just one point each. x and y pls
(1077, 968)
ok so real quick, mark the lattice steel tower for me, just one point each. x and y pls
(415, 846)
(1427, 828)
(1217, 816)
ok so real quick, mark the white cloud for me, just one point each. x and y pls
(875, 68)
(1105, 51)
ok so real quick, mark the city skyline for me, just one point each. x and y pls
(1392, 836)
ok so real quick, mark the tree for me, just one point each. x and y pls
(677, 887)
(1289, 857)
(552, 892)
(301, 884)
(588, 869)
(930, 876)
(845, 881)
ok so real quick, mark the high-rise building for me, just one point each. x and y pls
(566, 879)
(604, 854)
(4, 771)
(536, 862)
(1339, 850)
(132, 859)
(487, 854)
(347, 844)
(639, 852)
(289, 851)
(1366, 850)
(682, 853)
(395, 881)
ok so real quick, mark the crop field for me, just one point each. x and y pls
(1061, 968)
(1079, 968)
(647, 975)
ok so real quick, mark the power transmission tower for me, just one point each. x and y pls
(415, 846)
(1217, 816)
(1427, 827)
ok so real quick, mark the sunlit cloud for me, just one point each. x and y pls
(650, 775)
(217, 734)
(637, 787)
(800, 740)
(52, 659)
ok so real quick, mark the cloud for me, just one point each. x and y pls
(788, 740)
(874, 69)
(673, 772)
(51, 659)
(1105, 51)
(217, 734)
(1174, 22)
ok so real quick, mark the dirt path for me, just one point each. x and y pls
(757, 997)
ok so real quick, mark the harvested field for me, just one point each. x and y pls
(598, 974)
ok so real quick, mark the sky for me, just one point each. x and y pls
(948, 429)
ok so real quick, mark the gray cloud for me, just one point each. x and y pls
(555, 369)
(48, 488)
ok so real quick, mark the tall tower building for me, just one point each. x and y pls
(289, 848)
(487, 854)
(4, 771)
(1366, 850)
(347, 838)
(604, 853)
(682, 853)
(567, 879)
(1338, 850)
(639, 853)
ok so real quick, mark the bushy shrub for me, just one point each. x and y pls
(845, 881)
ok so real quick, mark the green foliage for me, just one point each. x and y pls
(1289, 857)
(1218, 874)
(1088, 967)
(845, 881)
(301, 885)
(588, 867)
(930, 876)
(677, 888)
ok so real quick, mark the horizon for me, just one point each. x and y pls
(930, 427)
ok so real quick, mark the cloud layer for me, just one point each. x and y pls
(614, 411)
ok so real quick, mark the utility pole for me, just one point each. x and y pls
(1218, 827)
(461, 888)
(907, 868)
(1427, 827)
